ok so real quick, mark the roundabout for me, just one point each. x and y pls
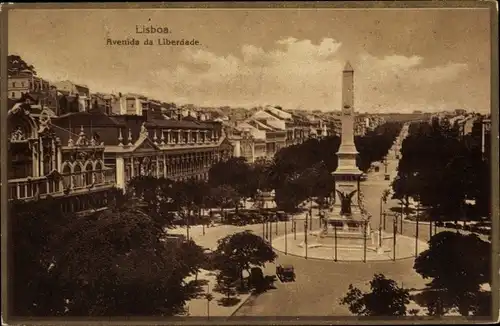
(295, 245)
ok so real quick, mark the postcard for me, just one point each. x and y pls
(250, 163)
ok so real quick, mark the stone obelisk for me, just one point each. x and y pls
(347, 175)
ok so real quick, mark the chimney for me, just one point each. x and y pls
(179, 114)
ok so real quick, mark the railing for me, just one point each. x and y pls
(31, 187)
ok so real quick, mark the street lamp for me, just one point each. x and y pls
(394, 230)
(305, 235)
(294, 230)
(276, 223)
(401, 222)
(286, 236)
(209, 298)
(416, 230)
(364, 241)
(187, 226)
(335, 239)
(271, 232)
(263, 227)
(381, 210)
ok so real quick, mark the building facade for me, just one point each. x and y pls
(79, 155)
(42, 165)
(25, 82)
(80, 93)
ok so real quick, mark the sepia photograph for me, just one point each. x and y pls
(224, 163)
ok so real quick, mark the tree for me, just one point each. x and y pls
(385, 298)
(102, 259)
(375, 144)
(225, 282)
(36, 289)
(457, 264)
(262, 178)
(241, 250)
(405, 186)
(442, 170)
(225, 196)
(193, 257)
(235, 172)
(304, 170)
(156, 198)
(113, 262)
(15, 64)
(188, 196)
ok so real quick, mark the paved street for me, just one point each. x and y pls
(320, 284)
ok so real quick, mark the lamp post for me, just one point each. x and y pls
(276, 223)
(263, 228)
(364, 241)
(294, 230)
(305, 236)
(430, 228)
(187, 226)
(286, 240)
(335, 240)
(271, 232)
(401, 222)
(395, 227)
(416, 231)
(380, 236)
(380, 215)
(209, 298)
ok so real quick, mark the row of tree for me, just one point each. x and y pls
(121, 261)
(456, 265)
(442, 169)
(302, 171)
(109, 263)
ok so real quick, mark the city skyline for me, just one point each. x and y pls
(404, 60)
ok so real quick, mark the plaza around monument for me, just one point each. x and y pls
(325, 267)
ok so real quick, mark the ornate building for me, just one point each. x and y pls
(79, 154)
(42, 165)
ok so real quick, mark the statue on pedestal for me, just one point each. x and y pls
(345, 202)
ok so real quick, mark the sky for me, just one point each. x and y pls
(403, 60)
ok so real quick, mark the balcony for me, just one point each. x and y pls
(32, 187)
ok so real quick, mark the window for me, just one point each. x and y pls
(67, 177)
(13, 94)
(89, 175)
(22, 84)
(99, 175)
(13, 84)
(77, 176)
